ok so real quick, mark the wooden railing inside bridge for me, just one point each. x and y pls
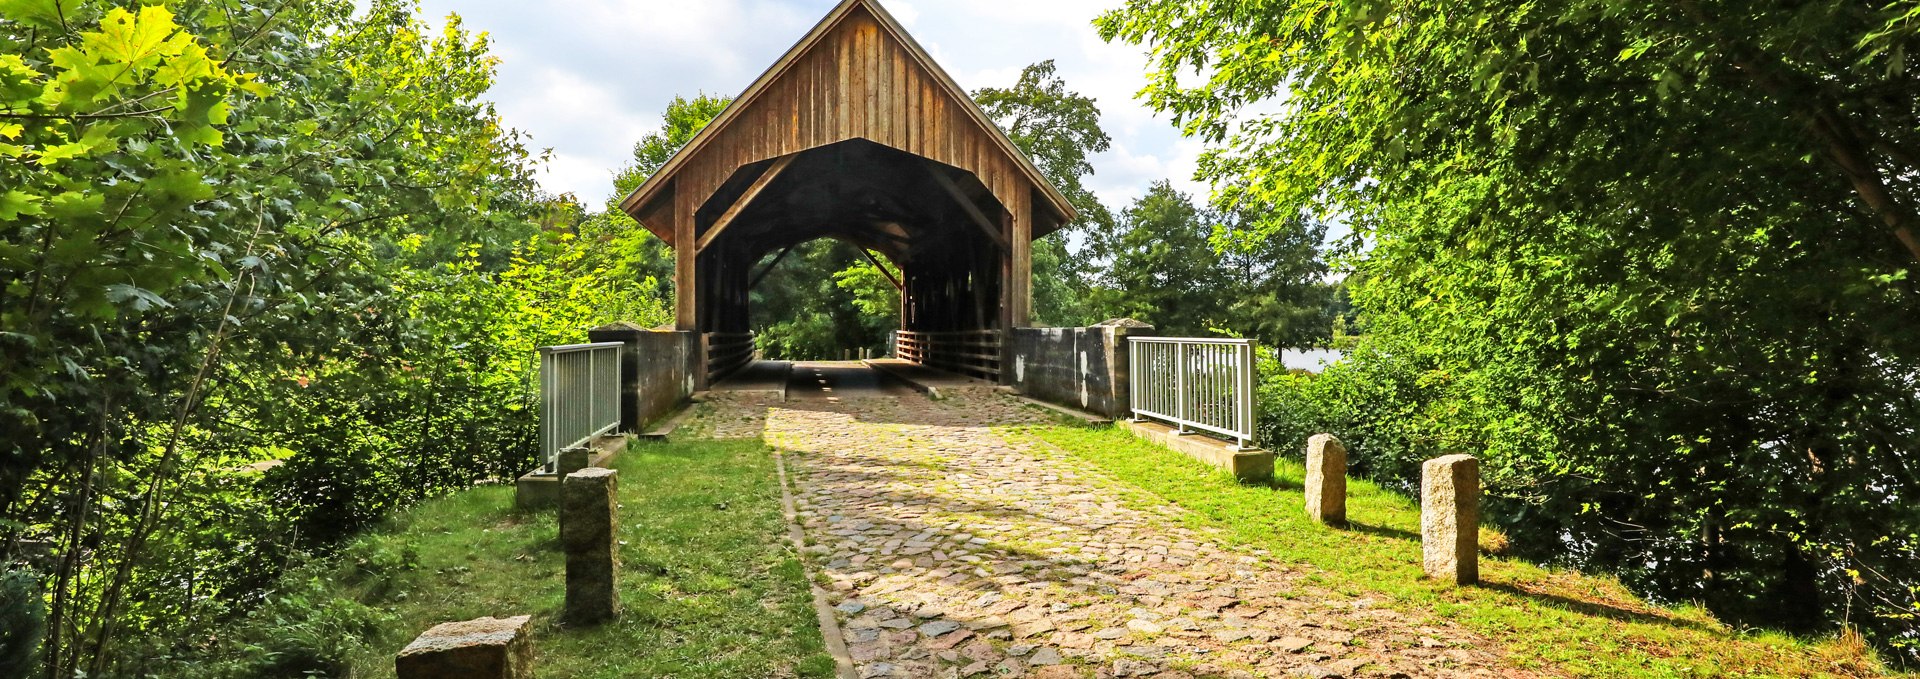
(975, 353)
(727, 353)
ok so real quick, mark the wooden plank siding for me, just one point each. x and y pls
(857, 75)
(856, 81)
(862, 66)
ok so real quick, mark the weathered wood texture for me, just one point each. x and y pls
(860, 80)
(965, 252)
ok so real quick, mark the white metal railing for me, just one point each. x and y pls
(579, 397)
(1203, 384)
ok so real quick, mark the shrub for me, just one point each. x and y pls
(23, 619)
(303, 630)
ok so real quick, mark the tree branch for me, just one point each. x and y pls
(86, 116)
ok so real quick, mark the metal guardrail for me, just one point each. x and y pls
(579, 396)
(1203, 384)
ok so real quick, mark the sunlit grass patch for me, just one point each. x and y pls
(709, 587)
(1543, 618)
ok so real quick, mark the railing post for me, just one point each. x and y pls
(1246, 424)
(1133, 385)
(546, 408)
(1180, 385)
(592, 388)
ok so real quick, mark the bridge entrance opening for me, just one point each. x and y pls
(824, 300)
(856, 135)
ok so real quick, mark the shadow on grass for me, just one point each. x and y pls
(1277, 483)
(1598, 610)
(1381, 531)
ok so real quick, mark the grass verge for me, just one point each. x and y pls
(1546, 619)
(708, 584)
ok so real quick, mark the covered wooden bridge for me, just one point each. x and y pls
(856, 134)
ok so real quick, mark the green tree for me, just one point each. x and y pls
(684, 118)
(1277, 289)
(222, 228)
(1191, 271)
(617, 241)
(823, 300)
(1162, 269)
(1060, 130)
(1652, 261)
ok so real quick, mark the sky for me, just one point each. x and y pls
(589, 78)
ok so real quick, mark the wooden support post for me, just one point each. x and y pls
(755, 283)
(1021, 284)
(882, 268)
(686, 295)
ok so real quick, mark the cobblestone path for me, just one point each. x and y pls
(951, 552)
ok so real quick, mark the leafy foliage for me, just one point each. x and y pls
(23, 618)
(241, 237)
(1190, 271)
(1652, 261)
(824, 301)
(684, 119)
(1059, 129)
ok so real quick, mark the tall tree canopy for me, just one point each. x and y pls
(683, 119)
(1056, 127)
(1652, 261)
(290, 234)
(1060, 130)
(1192, 271)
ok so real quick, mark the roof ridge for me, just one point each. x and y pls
(648, 190)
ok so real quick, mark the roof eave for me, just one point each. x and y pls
(636, 202)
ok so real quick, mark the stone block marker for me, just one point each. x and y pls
(587, 508)
(574, 459)
(1327, 480)
(1450, 519)
(487, 648)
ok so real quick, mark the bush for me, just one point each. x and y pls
(1578, 489)
(1366, 401)
(23, 620)
(303, 630)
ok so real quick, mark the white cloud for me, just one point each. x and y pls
(908, 15)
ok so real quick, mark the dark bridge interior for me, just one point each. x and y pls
(893, 204)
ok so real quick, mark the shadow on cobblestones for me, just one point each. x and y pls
(951, 552)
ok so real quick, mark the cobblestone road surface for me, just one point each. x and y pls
(952, 552)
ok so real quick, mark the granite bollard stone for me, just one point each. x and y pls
(1327, 480)
(487, 648)
(1450, 519)
(574, 459)
(587, 507)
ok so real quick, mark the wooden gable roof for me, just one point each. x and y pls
(858, 74)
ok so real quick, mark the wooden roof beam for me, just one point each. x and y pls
(770, 265)
(883, 269)
(991, 228)
(746, 199)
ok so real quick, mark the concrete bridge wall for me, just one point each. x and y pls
(1084, 368)
(657, 372)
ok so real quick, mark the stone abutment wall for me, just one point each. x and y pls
(1084, 368)
(657, 371)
